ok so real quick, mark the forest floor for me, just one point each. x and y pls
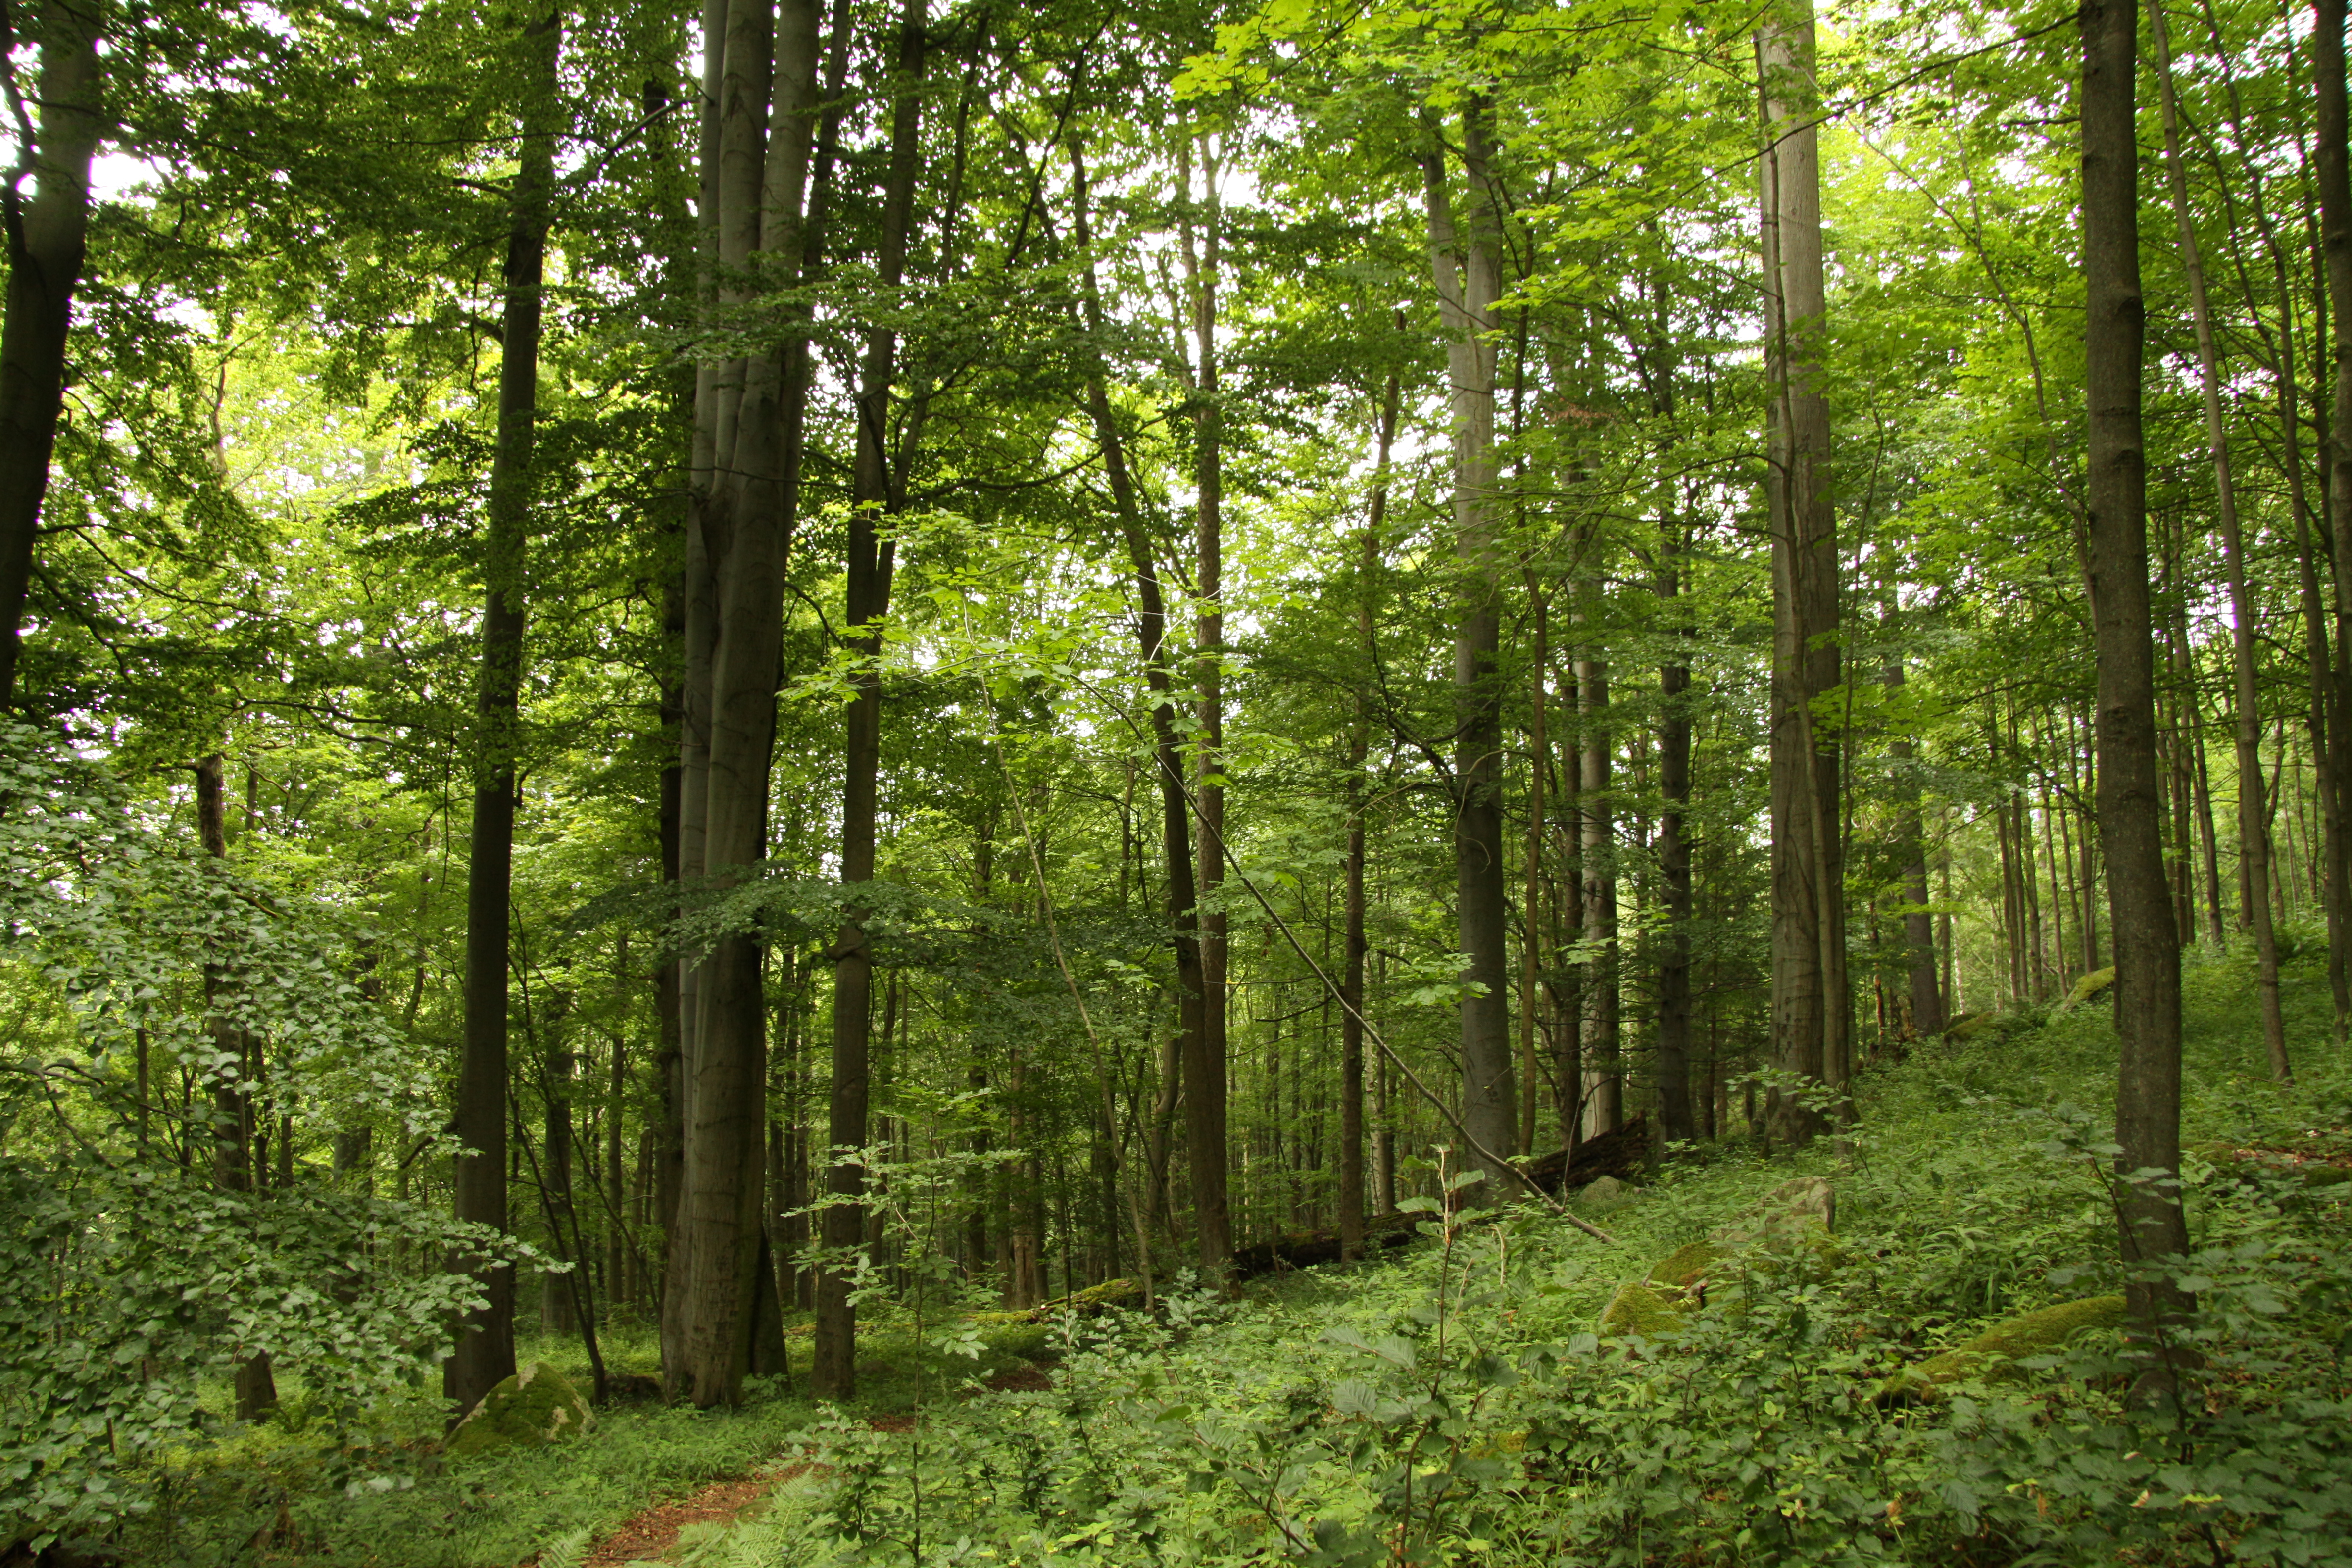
(1968, 1194)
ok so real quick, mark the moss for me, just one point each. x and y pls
(1638, 1310)
(1972, 1025)
(2089, 987)
(536, 1407)
(1992, 1354)
(1685, 1266)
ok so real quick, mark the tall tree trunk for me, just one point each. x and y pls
(697, 620)
(1352, 983)
(2253, 818)
(1205, 1136)
(485, 1349)
(1206, 1089)
(2333, 179)
(1674, 1119)
(45, 258)
(1468, 279)
(1928, 1013)
(1602, 1087)
(878, 490)
(1531, 943)
(1568, 1000)
(2148, 954)
(255, 1388)
(1809, 988)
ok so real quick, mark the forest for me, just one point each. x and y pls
(1197, 782)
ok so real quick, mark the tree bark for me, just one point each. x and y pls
(45, 238)
(2333, 179)
(2148, 957)
(485, 1349)
(1675, 1123)
(255, 1386)
(1352, 983)
(1808, 985)
(1468, 281)
(1927, 997)
(1205, 1077)
(2253, 818)
(1602, 1091)
(878, 490)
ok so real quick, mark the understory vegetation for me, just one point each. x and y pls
(1460, 1404)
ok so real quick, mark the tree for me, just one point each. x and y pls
(46, 236)
(2147, 953)
(484, 1352)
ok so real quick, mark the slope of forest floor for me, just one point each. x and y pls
(1461, 1403)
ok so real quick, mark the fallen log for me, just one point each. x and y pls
(1624, 1154)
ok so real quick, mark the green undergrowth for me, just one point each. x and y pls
(287, 1490)
(1458, 1404)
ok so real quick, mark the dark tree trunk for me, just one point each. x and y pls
(485, 1349)
(2148, 957)
(45, 258)
(256, 1387)
(1205, 1075)
(2329, 167)
(1468, 281)
(878, 491)
(1676, 1122)
(1809, 986)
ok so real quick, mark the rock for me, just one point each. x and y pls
(1991, 1353)
(536, 1407)
(1638, 1310)
(1608, 1193)
(1972, 1025)
(1685, 1269)
(2090, 985)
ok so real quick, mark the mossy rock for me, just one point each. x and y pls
(2089, 987)
(536, 1407)
(1993, 1355)
(1606, 1194)
(1976, 1026)
(1638, 1310)
(1685, 1266)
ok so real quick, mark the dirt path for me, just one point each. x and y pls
(650, 1536)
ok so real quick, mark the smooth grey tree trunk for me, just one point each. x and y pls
(1809, 1004)
(1205, 1075)
(1468, 281)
